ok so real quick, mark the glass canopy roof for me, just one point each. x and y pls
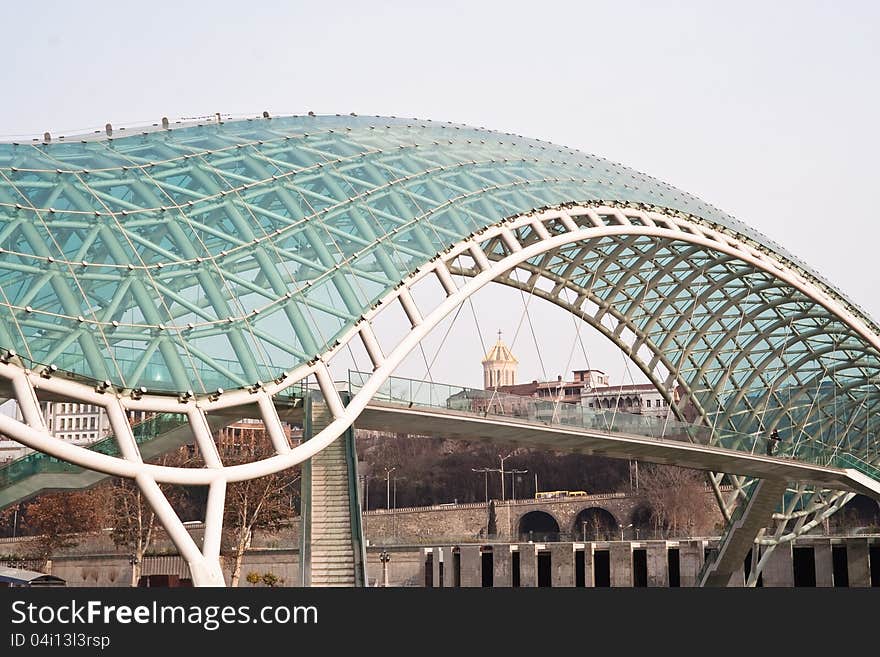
(223, 254)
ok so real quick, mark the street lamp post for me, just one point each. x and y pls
(395, 488)
(385, 557)
(388, 487)
(513, 474)
(133, 562)
(500, 470)
(622, 528)
(485, 472)
(503, 459)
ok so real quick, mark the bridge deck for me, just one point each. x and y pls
(459, 425)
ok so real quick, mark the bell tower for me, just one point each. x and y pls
(499, 366)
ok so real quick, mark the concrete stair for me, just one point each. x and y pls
(741, 537)
(332, 549)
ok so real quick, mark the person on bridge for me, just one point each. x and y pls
(771, 442)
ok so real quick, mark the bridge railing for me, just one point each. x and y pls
(430, 394)
(38, 463)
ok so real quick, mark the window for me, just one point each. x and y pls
(92, 422)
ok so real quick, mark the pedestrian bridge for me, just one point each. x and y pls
(200, 272)
(417, 407)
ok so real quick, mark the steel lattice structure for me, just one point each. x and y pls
(211, 267)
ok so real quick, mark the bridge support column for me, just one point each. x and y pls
(562, 564)
(449, 568)
(690, 561)
(779, 569)
(528, 565)
(471, 566)
(824, 563)
(621, 565)
(589, 575)
(857, 562)
(501, 563)
(658, 565)
(436, 560)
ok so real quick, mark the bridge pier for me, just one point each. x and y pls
(528, 565)
(621, 565)
(824, 564)
(562, 564)
(857, 562)
(589, 575)
(690, 562)
(437, 561)
(471, 566)
(658, 565)
(777, 571)
(502, 564)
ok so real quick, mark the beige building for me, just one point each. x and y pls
(639, 398)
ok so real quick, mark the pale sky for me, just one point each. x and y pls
(767, 110)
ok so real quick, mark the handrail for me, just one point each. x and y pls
(37, 463)
(354, 508)
(429, 394)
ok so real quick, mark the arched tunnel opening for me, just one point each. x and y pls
(538, 526)
(595, 524)
(642, 521)
(861, 515)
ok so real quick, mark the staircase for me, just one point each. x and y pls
(37, 472)
(333, 523)
(750, 516)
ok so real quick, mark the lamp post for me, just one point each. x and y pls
(385, 557)
(503, 459)
(513, 474)
(485, 472)
(388, 487)
(133, 562)
(622, 528)
(394, 495)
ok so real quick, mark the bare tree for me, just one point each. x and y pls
(677, 497)
(135, 523)
(61, 520)
(257, 504)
